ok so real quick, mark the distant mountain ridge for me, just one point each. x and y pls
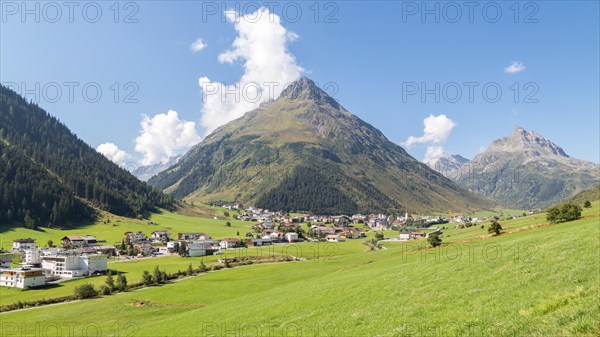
(49, 177)
(447, 163)
(305, 152)
(144, 173)
(526, 170)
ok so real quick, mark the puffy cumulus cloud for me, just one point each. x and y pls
(515, 67)
(262, 45)
(436, 130)
(164, 134)
(112, 152)
(198, 45)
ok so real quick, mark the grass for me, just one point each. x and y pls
(113, 232)
(534, 280)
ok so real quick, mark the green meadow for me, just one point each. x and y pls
(535, 279)
(113, 232)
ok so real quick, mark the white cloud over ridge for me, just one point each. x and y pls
(515, 67)
(112, 152)
(163, 135)
(261, 44)
(436, 130)
(433, 153)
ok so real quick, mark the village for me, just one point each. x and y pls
(85, 255)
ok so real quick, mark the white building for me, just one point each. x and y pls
(291, 236)
(33, 256)
(69, 266)
(334, 238)
(22, 244)
(229, 243)
(404, 236)
(22, 277)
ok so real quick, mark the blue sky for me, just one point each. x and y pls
(372, 53)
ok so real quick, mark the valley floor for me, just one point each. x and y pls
(534, 280)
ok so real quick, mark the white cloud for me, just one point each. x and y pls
(112, 152)
(436, 130)
(515, 67)
(433, 153)
(198, 45)
(261, 44)
(162, 135)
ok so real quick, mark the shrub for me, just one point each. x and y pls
(104, 290)
(563, 213)
(121, 282)
(434, 240)
(587, 204)
(495, 228)
(85, 291)
(147, 278)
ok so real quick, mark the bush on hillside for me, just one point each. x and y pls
(563, 213)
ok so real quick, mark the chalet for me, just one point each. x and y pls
(358, 218)
(106, 250)
(404, 235)
(162, 236)
(381, 224)
(143, 248)
(79, 241)
(341, 220)
(291, 236)
(193, 236)
(265, 218)
(416, 235)
(22, 277)
(229, 243)
(135, 236)
(350, 233)
(22, 244)
(324, 230)
(276, 236)
(334, 238)
(268, 225)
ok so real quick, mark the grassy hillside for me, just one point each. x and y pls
(536, 280)
(113, 232)
(589, 194)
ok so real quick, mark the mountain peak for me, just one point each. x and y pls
(533, 143)
(304, 89)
